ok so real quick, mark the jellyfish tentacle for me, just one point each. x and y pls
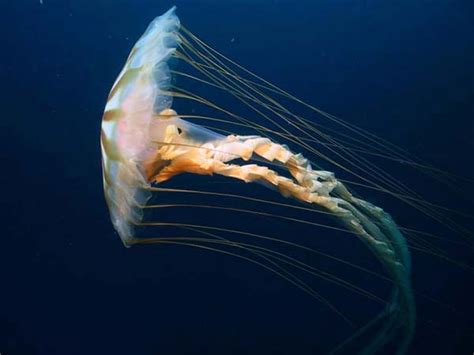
(316, 187)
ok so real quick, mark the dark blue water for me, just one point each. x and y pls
(403, 70)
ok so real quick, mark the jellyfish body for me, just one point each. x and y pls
(128, 120)
(145, 141)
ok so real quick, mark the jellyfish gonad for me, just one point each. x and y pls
(147, 140)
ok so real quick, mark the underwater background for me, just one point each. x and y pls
(403, 70)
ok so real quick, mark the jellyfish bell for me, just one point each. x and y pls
(148, 140)
(126, 140)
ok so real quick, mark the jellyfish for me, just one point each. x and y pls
(148, 141)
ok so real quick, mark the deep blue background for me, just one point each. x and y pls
(401, 69)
